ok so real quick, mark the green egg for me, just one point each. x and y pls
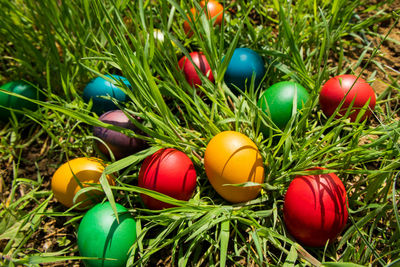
(9, 101)
(278, 101)
(101, 236)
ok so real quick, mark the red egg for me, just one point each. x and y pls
(170, 172)
(120, 144)
(190, 71)
(315, 208)
(335, 89)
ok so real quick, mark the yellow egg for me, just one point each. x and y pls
(87, 171)
(233, 158)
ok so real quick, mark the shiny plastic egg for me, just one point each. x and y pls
(98, 88)
(170, 172)
(189, 69)
(87, 171)
(233, 158)
(243, 65)
(119, 144)
(277, 101)
(100, 235)
(336, 88)
(214, 11)
(8, 101)
(315, 208)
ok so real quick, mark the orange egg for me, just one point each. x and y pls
(214, 10)
(233, 158)
(186, 26)
(87, 171)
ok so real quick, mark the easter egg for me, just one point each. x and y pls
(160, 39)
(315, 208)
(100, 235)
(277, 101)
(190, 71)
(119, 144)
(214, 10)
(158, 35)
(98, 88)
(233, 158)
(9, 101)
(170, 172)
(243, 65)
(357, 90)
(85, 170)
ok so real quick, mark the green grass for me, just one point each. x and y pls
(59, 47)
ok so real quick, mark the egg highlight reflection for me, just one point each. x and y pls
(170, 172)
(65, 185)
(279, 100)
(120, 144)
(189, 70)
(314, 209)
(233, 158)
(100, 235)
(99, 88)
(13, 102)
(243, 65)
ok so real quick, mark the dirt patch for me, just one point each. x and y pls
(385, 66)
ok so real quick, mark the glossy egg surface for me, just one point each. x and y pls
(243, 65)
(233, 158)
(101, 236)
(278, 101)
(64, 182)
(357, 90)
(170, 172)
(8, 101)
(99, 87)
(315, 208)
(120, 144)
(214, 10)
(189, 69)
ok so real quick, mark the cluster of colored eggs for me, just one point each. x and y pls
(280, 99)
(100, 235)
(232, 161)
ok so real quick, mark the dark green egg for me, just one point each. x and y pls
(13, 102)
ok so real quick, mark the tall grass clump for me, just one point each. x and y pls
(60, 45)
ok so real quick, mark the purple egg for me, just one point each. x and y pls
(120, 144)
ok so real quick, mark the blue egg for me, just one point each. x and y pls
(243, 64)
(98, 88)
